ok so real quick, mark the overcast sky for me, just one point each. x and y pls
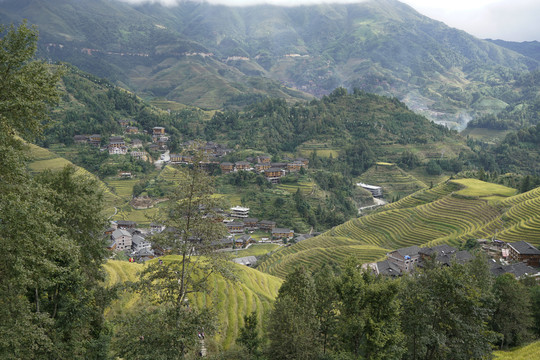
(512, 20)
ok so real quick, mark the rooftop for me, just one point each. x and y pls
(524, 248)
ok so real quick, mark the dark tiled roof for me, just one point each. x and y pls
(439, 250)
(525, 248)
(388, 268)
(281, 230)
(408, 251)
(518, 269)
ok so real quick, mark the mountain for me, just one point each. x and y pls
(208, 55)
(528, 48)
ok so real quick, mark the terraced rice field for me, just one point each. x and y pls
(394, 181)
(168, 173)
(253, 291)
(306, 187)
(448, 213)
(122, 187)
(529, 352)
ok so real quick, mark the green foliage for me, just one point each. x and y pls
(249, 335)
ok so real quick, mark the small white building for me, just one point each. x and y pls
(239, 212)
(376, 191)
(138, 243)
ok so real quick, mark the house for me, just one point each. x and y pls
(124, 122)
(118, 150)
(125, 174)
(522, 251)
(303, 161)
(260, 167)
(405, 258)
(94, 139)
(376, 191)
(247, 260)
(243, 241)
(80, 139)
(294, 166)
(519, 269)
(251, 223)
(139, 155)
(263, 159)
(445, 254)
(175, 158)
(242, 165)
(122, 238)
(239, 212)
(126, 224)
(144, 254)
(273, 174)
(386, 268)
(138, 243)
(136, 143)
(235, 227)
(226, 167)
(267, 225)
(280, 233)
(156, 228)
(132, 130)
(158, 130)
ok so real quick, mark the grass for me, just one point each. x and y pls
(394, 181)
(483, 190)
(122, 187)
(232, 300)
(528, 352)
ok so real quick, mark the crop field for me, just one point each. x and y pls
(169, 173)
(448, 213)
(529, 352)
(252, 291)
(306, 187)
(122, 187)
(141, 217)
(394, 181)
(483, 190)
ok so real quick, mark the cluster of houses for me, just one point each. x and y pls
(519, 258)
(211, 149)
(125, 236)
(242, 222)
(262, 164)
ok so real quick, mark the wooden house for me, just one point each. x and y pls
(158, 130)
(132, 130)
(80, 139)
(267, 225)
(260, 167)
(242, 165)
(226, 167)
(294, 166)
(522, 251)
(235, 227)
(280, 233)
(405, 258)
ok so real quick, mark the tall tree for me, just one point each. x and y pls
(192, 235)
(293, 328)
(51, 301)
(445, 312)
(368, 314)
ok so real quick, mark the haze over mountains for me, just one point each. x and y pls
(212, 56)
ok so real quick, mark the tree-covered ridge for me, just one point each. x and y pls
(341, 119)
(209, 55)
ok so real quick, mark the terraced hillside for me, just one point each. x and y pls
(448, 213)
(394, 180)
(531, 351)
(43, 159)
(253, 291)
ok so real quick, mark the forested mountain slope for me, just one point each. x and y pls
(212, 55)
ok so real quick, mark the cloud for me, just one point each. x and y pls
(246, 2)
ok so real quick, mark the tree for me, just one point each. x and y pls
(445, 311)
(512, 317)
(52, 303)
(368, 318)
(191, 235)
(293, 328)
(249, 335)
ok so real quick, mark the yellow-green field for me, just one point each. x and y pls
(253, 291)
(483, 190)
(122, 187)
(448, 213)
(529, 352)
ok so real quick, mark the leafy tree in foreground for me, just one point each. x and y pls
(51, 303)
(249, 335)
(445, 312)
(190, 236)
(293, 328)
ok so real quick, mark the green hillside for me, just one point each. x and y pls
(253, 291)
(448, 213)
(531, 351)
(213, 56)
